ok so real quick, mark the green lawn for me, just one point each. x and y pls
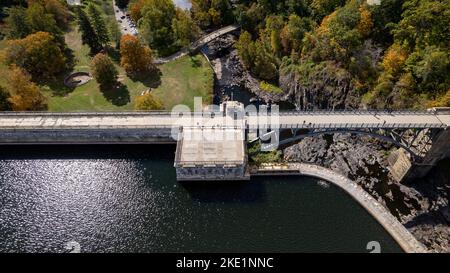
(180, 82)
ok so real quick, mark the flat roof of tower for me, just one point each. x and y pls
(210, 146)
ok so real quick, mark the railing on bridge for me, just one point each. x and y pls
(347, 126)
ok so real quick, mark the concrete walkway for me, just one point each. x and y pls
(400, 234)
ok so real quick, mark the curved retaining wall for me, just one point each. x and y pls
(400, 234)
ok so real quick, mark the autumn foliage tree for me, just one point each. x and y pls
(104, 71)
(39, 54)
(5, 105)
(135, 57)
(394, 59)
(148, 102)
(25, 95)
(135, 9)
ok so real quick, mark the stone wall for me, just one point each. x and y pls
(91, 136)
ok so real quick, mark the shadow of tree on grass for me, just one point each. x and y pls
(151, 79)
(56, 85)
(118, 94)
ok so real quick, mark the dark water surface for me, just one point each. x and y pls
(126, 199)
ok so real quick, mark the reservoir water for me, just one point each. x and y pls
(126, 199)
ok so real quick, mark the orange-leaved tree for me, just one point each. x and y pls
(39, 54)
(136, 58)
(148, 102)
(25, 94)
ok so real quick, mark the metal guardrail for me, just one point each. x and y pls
(204, 113)
(357, 112)
(346, 126)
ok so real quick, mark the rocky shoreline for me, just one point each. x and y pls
(422, 206)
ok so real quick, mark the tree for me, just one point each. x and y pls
(43, 15)
(148, 102)
(365, 24)
(156, 25)
(5, 105)
(200, 12)
(321, 8)
(394, 59)
(60, 12)
(39, 20)
(98, 24)
(135, 9)
(244, 46)
(135, 57)
(224, 9)
(265, 66)
(431, 69)
(294, 31)
(209, 13)
(39, 54)
(184, 29)
(425, 22)
(17, 24)
(88, 34)
(25, 95)
(103, 70)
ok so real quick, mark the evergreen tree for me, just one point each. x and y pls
(17, 23)
(88, 35)
(99, 25)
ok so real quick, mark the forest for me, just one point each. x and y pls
(379, 54)
(388, 54)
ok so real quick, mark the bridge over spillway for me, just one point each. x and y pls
(423, 134)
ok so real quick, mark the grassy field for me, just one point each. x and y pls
(179, 83)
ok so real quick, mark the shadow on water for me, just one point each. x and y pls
(226, 191)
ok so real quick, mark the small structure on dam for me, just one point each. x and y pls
(214, 151)
(211, 154)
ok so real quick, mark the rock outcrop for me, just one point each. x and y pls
(324, 86)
